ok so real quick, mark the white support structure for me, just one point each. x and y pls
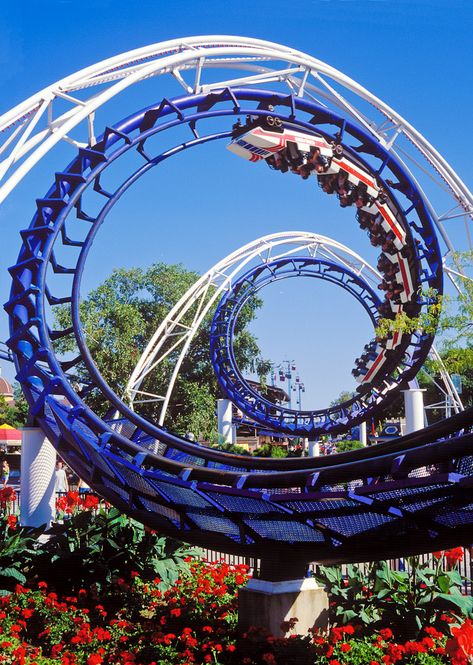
(414, 409)
(34, 127)
(181, 324)
(314, 448)
(269, 604)
(225, 420)
(363, 433)
(38, 479)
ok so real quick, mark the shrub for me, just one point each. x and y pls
(18, 546)
(96, 543)
(270, 450)
(345, 445)
(407, 601)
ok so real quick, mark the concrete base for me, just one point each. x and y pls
(314, 448)
(414, 409)
(37, 480)
(267, 604)
(224, 420)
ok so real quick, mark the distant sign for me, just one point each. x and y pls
(391, 429)
(457, 382)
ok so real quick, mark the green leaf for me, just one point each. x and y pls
(348, 616)
(13, 573)
(444, 583)
(464, 603)
(384, 593)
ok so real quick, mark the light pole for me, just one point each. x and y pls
(299, 387)
(287, 370)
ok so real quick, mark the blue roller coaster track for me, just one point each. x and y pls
(255, 405)
(410, 496)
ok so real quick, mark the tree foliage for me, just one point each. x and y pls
(118, 319)
(16, 414)
(344, 396)
(450, 318)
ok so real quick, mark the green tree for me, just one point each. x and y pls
(345, 445)
(344, 396)
(16, 414)
(120, 316)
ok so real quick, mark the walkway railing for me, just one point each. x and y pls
(465, 566)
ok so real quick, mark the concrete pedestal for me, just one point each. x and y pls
(38, 479)
(224, 420)
(267, 604)
(314, 448)
(414, 409)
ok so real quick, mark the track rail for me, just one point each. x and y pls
(411, 496)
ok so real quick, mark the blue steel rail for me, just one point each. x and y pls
(252, 403)
(412, 496)
(420, 232)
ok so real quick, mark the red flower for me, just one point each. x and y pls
(433, 632)
(55, 649)
(336, 634)
(460, 646)
(344, 648)
(7, 494)
(447, 618)
(68, 659)
(12, 522)
(428, 642)
(386, 633)
(268, 658)
(176, 612)
(453, 556)
(67, 503)
(89, 502)
(94, 659)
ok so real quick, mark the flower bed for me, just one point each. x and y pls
(116, 593)
(194, 621)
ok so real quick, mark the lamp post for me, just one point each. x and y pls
(299, 388)
(287, 370)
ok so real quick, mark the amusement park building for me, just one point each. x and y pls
(6, 390)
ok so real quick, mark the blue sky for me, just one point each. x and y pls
(415, 55)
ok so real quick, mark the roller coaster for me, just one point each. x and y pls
(301, 117)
